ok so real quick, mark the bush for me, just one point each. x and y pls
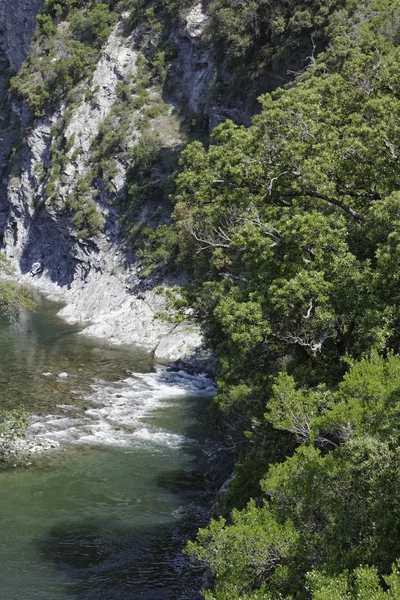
(13, 426)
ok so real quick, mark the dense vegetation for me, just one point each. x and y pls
(13, 296)
(289, 231)
(64, 51)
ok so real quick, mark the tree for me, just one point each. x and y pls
(289, 231)
(288, 228)
(363, 582)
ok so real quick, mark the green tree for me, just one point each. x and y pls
(289, 231)
(363, 582)
(12, 295)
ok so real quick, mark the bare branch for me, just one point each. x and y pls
(212, 238)
(304, 127)
(272, 181)
(310, 309)
(235, 277)
(359, 217)
(312, 345)
(314, 194)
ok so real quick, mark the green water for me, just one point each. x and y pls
(106, 516)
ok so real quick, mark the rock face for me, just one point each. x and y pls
(96, 277)
(197, 72)
(17, 24)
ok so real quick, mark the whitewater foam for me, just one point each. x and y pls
(116, 411)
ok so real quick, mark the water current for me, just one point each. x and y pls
(105, 516)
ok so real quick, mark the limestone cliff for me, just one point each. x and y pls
(96, 274)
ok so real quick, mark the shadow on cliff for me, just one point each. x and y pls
(145, 205)
(50, 246)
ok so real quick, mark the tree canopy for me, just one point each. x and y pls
(289, 230)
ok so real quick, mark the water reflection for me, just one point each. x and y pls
(36, 347)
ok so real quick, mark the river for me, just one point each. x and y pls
(105, 516)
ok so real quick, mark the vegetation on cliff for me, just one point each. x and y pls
(13, 296)
(64, 51)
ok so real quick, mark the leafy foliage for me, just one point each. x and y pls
(363, 582)
(262, 43)
(13, 296)
(279, 223)
(289, 231)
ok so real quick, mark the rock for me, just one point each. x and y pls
(195, 21)
(36, 269)
(179, 343)
(93, 276)
(62, 375)
(201, 362)
(18, 22)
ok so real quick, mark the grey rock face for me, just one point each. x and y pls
(17, 24)
(197, 73)
(94, 276)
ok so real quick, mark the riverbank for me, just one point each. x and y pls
(79, 389)
(109, 306)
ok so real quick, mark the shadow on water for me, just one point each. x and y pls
(179, 481)
(141, 559)
(126, 563)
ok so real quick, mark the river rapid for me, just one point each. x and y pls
(105, 516)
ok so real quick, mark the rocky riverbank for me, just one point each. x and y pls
(105, 306)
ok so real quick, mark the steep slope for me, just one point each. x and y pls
(62, 218)
(16, 31)
(18, 24)
(91, 134)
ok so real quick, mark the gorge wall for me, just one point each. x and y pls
(17, 26)
(96, 275)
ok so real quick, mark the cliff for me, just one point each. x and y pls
(17, 25)
(95, 274)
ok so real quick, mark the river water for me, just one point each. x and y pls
(106, 516)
